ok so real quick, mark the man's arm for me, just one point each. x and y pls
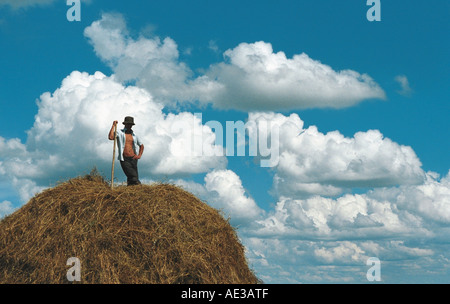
(141, 150)
(111, 132)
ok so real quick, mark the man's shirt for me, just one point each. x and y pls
(121, 143)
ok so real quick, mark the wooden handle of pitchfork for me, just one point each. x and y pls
(114, 156)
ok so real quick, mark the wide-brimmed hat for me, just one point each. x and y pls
(128, 120)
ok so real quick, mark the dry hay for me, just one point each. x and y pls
(152, 234)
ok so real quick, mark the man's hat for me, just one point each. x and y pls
(128, 120)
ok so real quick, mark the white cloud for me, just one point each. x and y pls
(313, 163)
(252, 77)
(349, 216)
(6, 208)
(317, 261)
(70, 134)
(26, 188)
(108, 36)
(230, 194)
(407, 210)
(223, 190)
(256, 78)
(405, 88)
(345, 251)
(152, 63)
(430, 200)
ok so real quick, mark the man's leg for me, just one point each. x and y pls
(129, 167)
(135, 178)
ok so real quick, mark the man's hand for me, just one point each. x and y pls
(111, 132)
(141, 150)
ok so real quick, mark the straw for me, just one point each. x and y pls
(151, 234)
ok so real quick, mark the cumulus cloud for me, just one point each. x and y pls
(349, 216)
(322, 239)
(314, 163)
(312, 237)
(311, 261)
(429, 200)
(252, 77)
(152, 63)
(228, 192)
(256, 78)
(342, 253)
(406, 210)
(70, 134)
(223, 190)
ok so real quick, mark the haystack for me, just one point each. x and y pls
(152, 234)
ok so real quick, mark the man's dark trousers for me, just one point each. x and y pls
(129, 167)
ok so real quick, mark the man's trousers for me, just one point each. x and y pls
(129, 167)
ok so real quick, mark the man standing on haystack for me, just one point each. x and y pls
(128, 143)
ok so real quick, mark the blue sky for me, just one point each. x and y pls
(295, 205)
